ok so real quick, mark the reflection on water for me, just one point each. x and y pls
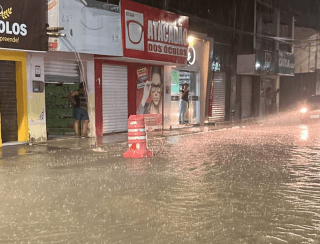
(22, 151)
(304, 132)
(249, 185)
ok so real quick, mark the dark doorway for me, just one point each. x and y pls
(60, 120)
(8, 101)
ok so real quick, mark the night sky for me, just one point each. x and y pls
(309, 12)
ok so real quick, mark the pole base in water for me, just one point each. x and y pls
(138, 153)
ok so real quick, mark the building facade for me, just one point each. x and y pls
(20, 36)
(134, 59)
(128, 67)
(259, 73)
(306, 81)
(139, 82)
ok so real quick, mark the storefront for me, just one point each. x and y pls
(195, 74)
(305, 71)
(260, 81)
(14, 113)
(70, 62)
(217, 99)
(124, 89)
(114, 97)
(246, 96)
(268, 86)
(62, 75)
(19, 35)
(51, 76)
(180, 77)
(218, 94)
(139, 82)
(256, 74)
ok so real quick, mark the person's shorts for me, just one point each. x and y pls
(80, 114)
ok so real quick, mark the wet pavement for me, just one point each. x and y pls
(247, 184)
(70, 142)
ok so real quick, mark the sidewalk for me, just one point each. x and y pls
(87, 143)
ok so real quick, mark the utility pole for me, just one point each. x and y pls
(276, 26)
(255, 25)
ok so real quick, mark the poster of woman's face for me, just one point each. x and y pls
(156, 90)
(149, 93)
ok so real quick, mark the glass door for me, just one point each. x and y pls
(175, 97)
(194, 98)
(178, 79)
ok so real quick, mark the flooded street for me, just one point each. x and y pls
(256, 184)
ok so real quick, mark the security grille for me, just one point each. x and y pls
(246, 96)
(66, 72)
(114, 98)
(8, 101)
(219, 97)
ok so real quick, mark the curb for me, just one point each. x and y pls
(184, 131)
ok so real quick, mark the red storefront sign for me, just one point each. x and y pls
(153, 34)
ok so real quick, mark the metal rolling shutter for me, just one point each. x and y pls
(61, 71)
(219, 97)
(8, 101)
(246, 96)
(114, 98)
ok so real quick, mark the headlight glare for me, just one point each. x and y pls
(303, 110)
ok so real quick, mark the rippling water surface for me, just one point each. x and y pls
(246, 185)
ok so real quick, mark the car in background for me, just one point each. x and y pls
(310, 109)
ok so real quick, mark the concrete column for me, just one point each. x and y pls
(291, 31)
(255, 25)
(278, 94)
(259, 31)
(167, 97)
(89, 67)
(204, 74)
(235, 96)
(36, 100)
(276, 27)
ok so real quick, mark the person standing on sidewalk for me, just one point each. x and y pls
(183, 102)
(79, 102)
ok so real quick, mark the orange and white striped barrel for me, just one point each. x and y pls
(136, 131)
(137, 138)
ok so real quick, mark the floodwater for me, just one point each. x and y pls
(256, 184)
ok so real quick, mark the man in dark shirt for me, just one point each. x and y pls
(183, 102)
(79, 102)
